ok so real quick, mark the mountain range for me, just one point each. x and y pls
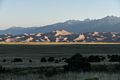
(106, 24)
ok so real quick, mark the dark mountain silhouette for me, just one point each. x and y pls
(106, 24)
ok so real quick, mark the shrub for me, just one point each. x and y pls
(56, 61)
(77, 63)
(94, 58)
(2, 69)
(43, 59)
(17, 60)
(4, 60)
(30, 60)
(102, 58)
(114, 58)
(64, 58)
(51, 59)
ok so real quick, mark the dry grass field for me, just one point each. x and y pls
(36, 50)
(55, 43)
(62, 49)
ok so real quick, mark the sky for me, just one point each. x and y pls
(29, 13)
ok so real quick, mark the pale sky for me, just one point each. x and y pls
(27, 13)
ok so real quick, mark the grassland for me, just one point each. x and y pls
(35, 51)
(55, 43)
(65, 76)
(56, 49)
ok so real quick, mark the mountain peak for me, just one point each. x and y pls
(72, 21)
(87, 20)
(111, 17)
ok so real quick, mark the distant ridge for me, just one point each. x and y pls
(106, 24)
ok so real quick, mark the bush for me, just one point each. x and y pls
(43, 59)
(102, 58)
(4, 60)
(114, 58)
(64, 58)
(77, 63)
(51, 59)
(56, 61)
(2, 69)
(30, 60)
(94, 58)
(17, 60)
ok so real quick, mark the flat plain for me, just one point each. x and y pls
(46, 49)
(36, 51)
